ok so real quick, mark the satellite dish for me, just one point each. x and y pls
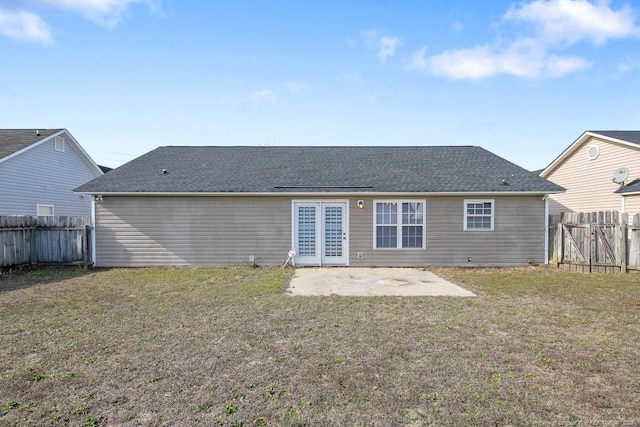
(620, 175)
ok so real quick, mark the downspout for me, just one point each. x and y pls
(546, 229)
(93, 230)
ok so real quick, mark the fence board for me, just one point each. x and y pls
(634, 243)
(31, 239)
(595, 241)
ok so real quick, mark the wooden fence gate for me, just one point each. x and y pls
(33, 240)
(598, 242)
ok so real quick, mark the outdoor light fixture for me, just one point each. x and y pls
(360, 204)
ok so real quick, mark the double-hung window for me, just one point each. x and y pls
(479, 215)
(399, 224)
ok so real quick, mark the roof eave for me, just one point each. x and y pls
(84, 154)
(324, 193)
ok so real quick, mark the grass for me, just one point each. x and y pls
(198, 346)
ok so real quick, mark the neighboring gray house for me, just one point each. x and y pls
(357, 206)
(38, 171)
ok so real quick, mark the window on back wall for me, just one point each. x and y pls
(479, 215)
(44, 210)
(399, 224)
(59, 143)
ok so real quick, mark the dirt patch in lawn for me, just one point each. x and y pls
(199, 346)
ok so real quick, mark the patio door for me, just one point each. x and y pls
(320, 232)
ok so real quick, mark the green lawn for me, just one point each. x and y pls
(205, 346)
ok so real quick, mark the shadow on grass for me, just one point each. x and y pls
(27, 276)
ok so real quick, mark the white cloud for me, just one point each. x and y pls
(624, 67)
(24, 21)
(263, 95)
(25, 26)
(474, 63)
(105, 12)
(557, 25)
(571, 21)
(384, 46)
(558, 66)
(370, 38)
(296, 88)
(458, 26)
(260, 97)
(485, 61)
(388, 46)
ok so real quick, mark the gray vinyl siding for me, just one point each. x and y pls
(42, 175)
(142, 231)
(518, 235)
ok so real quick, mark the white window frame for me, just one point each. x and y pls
(475, 201)
(318, 259)
(39, 206)
(59, 143)
(399, 224)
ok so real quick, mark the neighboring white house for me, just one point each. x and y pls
(38, 170)
(587, 168)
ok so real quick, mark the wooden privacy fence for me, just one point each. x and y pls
(33, 240)
(598, 242)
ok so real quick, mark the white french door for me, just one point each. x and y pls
(320, 232)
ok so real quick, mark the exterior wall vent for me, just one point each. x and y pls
(593, 152)
(44, 210)
(59, 143)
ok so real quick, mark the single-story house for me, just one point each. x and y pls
(599, 171)
(356, 206)
(39, 168)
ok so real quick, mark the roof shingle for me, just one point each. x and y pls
(632, 136)
(190, 169)
(12, 140)
(632, 187)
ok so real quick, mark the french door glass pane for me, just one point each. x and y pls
(307, 230)
(333, 231)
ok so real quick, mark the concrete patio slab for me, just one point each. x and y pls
(350, 281)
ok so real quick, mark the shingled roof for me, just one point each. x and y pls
(632, 187)
(13, 140)
(632, 136)
(318, 169)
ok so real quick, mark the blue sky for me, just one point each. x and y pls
(522, 79)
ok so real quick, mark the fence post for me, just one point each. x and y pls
(558, 246)
(621, 246)
(592, 246)
(85, 247)
(33, 246)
